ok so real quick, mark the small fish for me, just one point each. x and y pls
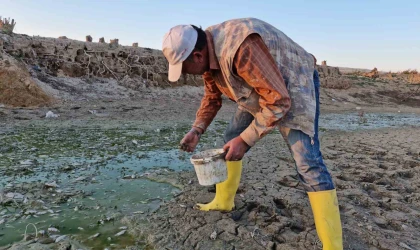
(51, 184)
(120, 233)
(60, 238)
(94, 236)
(53, 229)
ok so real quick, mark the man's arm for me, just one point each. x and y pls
(210, 104)
(254, 63)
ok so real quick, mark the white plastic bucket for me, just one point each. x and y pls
(210, 166)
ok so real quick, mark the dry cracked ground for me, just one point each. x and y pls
(376, 174)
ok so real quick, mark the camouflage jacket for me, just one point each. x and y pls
(295, 64)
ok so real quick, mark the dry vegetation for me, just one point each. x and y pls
(7, 26)
(407, 76)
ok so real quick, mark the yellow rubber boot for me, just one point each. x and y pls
(327, 218)
(225, 191)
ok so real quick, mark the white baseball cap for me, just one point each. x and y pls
(177, 45)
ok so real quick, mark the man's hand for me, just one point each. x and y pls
(236, 149)
(190, 140)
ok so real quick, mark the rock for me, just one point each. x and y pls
(46, 241)
(64, 245)
(380, 222)
(2, 221)
(213, 235)
(270, 245)
(372, 74)
(227, 225)
(123, 228)
(50, 114)
(403, 245)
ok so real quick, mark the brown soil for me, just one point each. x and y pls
(17, 88)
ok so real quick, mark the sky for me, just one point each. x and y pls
(357, 34)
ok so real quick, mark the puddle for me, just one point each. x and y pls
(93, 196)
(94, 179)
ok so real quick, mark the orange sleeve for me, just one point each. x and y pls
(210, 103)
